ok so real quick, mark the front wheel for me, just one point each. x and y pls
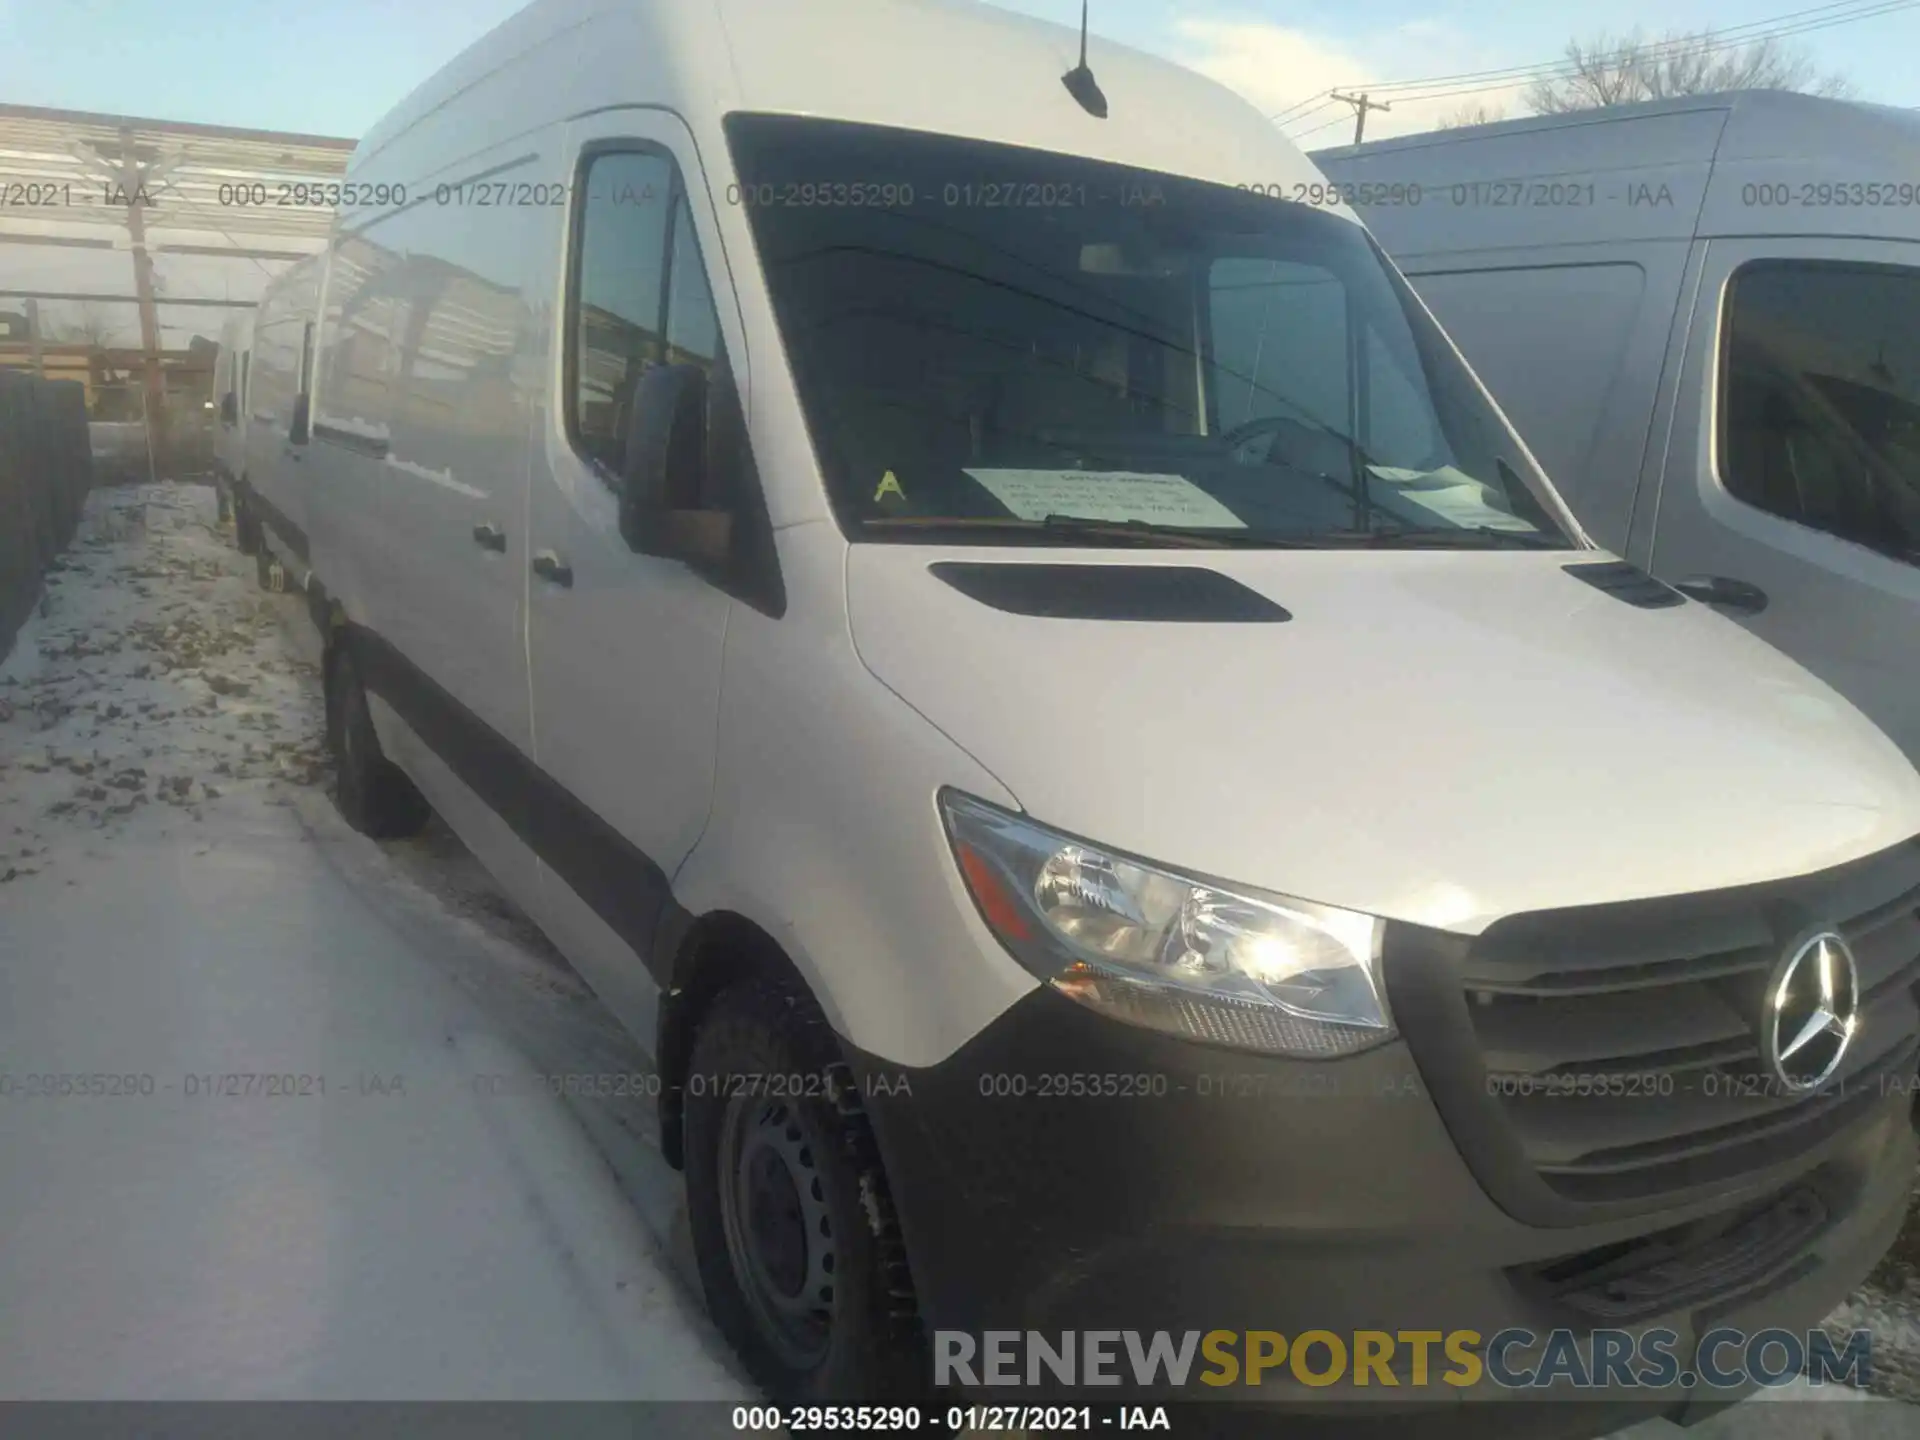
(793, 1228)
(374, 794)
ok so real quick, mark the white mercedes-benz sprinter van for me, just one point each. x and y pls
(270, 506)
(1031, 674)
(1704, 316)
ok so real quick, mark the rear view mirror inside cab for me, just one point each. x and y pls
(1134, 256)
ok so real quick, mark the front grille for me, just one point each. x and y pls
(1611, 1055)
(1709, 1260)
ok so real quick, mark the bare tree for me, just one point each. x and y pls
(1619, 71)
(91, 327)
(1474, 112)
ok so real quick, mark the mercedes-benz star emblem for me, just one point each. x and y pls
(1812, 1012)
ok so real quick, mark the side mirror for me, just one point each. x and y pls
(666, 503)
(229, 409)
(297, 428)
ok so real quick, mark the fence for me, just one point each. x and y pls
(46, 468)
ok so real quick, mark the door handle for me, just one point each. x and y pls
(550, 567)
(1724, 591)
(490, 537)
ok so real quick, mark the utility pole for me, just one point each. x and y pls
(1361, 104)
(133, 177)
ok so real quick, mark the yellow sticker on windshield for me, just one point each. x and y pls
(889, 486)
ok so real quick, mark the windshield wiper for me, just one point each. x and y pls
(1144, 533)
(1125, 532)
(1209, 536)
(1469, 537)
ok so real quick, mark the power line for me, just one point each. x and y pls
(1712, 47)
(1361, 104)
(1327, 125)
(1406, 91)
(1728, 35)
(1795, 22)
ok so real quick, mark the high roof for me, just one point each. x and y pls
(1745, 163)
(951, 66)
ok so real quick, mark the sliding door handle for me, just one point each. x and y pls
(551, 568)
(490, 537)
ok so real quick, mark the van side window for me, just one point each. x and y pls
(619, 295)
(1820, 399)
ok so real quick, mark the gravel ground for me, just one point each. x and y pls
(152, 676)
(158, 683)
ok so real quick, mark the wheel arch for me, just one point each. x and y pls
(706, 954)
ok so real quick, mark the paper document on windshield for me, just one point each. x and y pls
(1450, 494)
(1115, 495)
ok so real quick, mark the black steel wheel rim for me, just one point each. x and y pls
(773, 1208)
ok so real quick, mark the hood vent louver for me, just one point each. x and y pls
(1627, 582)
(1156, 594)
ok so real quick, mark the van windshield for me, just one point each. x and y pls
(994, 344)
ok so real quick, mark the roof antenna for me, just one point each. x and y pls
(1079, 80)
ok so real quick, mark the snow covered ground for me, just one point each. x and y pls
(383, 1210)
(285, 1172)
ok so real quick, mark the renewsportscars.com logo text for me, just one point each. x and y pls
(1511, 1359)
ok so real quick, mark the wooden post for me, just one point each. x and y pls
(132, 179)
(35, 356)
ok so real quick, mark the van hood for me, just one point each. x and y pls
(1436, 737)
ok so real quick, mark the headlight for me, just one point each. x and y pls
(1144, 944)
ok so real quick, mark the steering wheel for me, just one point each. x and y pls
(1241, 437)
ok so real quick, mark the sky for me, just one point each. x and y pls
(335, 67)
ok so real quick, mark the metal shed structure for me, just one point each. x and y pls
(125, 241)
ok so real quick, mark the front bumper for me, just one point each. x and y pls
(1064, 1172)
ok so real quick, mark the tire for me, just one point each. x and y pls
(793, 1226)
(373, 794)
(246, 529)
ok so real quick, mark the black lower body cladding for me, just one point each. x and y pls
(1064, 1172)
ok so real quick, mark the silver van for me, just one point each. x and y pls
(1704, 316)
(1032, 677)
(270, 493)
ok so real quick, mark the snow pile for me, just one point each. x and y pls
(153, 681)
(1888, 1305)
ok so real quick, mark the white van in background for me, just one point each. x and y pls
(230, 407)
(270, 514)
(1039, 686)
(1704, 316)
